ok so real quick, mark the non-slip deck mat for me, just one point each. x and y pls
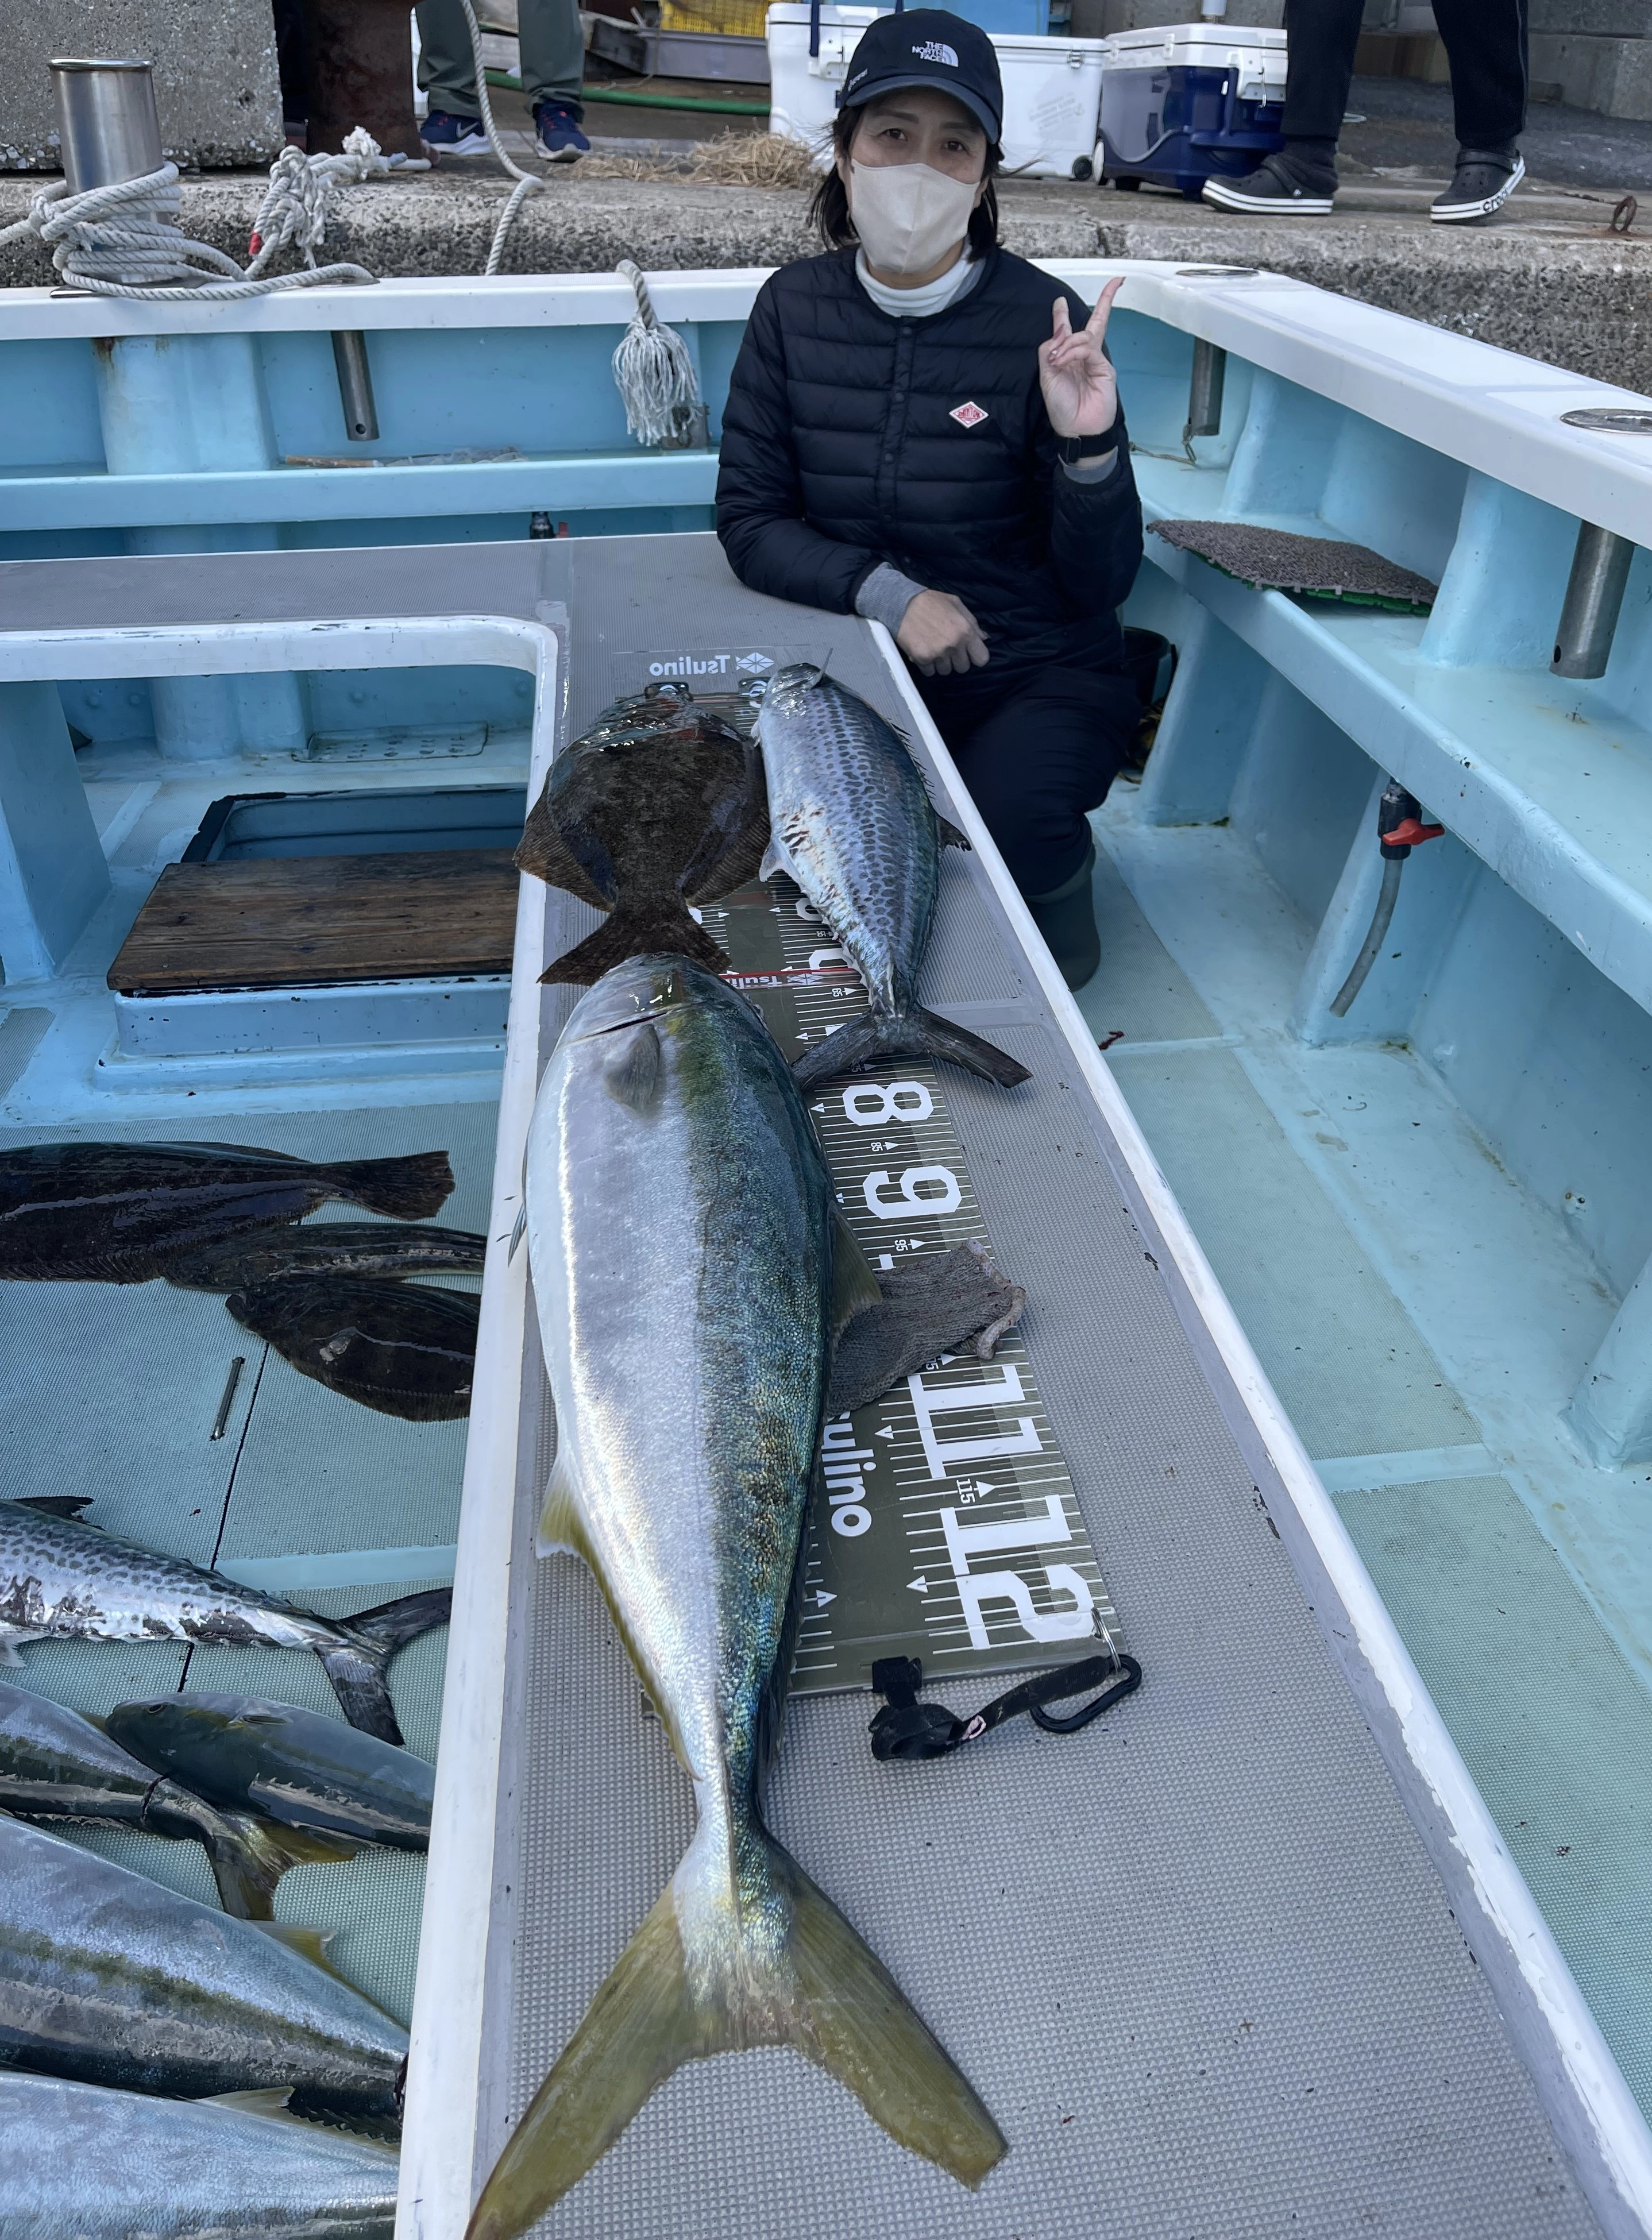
(1195, 1958)
(1315, 567)
(305, 921)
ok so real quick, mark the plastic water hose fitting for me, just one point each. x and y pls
(1400, 828)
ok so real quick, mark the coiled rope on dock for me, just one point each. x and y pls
(127, 240)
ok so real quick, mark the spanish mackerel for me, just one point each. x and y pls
(118, 1213)
(81, 2163)
(851, 820)
(247, 1755)
(109, 1979)
(55, 1765)
(64, 1580)
(689, 1273)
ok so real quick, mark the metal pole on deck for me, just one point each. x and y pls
(106, 121)
(1205, 386)
(356, 386)
(1594, 598)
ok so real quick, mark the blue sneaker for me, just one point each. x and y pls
(454, 136)
(560, 138)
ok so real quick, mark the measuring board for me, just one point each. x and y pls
(944, 1524)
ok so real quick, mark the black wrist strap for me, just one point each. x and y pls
(1084, 450)
(905, 1728)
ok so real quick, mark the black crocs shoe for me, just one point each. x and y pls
(1066, 918)
(1484, 179)
(1279, 186)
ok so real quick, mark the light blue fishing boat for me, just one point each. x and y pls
(1329, 1195)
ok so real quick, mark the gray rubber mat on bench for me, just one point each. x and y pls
(1194, 1958)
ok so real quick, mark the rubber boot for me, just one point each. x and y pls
(1066, 918)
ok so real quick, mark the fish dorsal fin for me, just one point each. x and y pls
(58, 1504)
(312, 1943)
(267, 2100)
(855, 1287)
(634, 1076)
(947, 833)
(561, 1529)
(776, 856)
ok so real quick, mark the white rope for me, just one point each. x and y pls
(528, 182)
(126, 239)
(653, 370)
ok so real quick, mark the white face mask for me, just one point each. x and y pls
(907, 216)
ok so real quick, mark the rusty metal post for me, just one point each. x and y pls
(359, 65)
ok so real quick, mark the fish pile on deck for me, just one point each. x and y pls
(128, 2013)
(680, 1215)
(129, 2016)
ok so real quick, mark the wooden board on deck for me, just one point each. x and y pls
(308, 920)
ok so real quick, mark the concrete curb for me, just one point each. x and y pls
(1567, 292)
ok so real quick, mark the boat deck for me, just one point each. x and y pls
(1198, 1959)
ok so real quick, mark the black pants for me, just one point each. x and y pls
(1485, 41)
(1036, 752)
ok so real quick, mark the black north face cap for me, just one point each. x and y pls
(927, 46)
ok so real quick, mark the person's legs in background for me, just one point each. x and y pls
(1300, 181)
(552, 47)
(1035, 764)
(1485, 43)
(553, 75)
(447, 79)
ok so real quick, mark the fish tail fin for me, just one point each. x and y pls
(411, 1189)
(653, 925)
(250, 1856)
(820, 1989)
(356, 1662)
(875, 1037)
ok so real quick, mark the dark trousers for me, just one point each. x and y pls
(1036, 752)
(1485, 43)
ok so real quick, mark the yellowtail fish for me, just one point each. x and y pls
(691, 1273)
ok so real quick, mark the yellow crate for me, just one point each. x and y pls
(745, 18)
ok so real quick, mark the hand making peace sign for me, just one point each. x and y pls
(1081, 395)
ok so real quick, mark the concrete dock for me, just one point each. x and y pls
(1550, 277)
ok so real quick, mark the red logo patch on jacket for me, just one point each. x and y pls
(967, 416)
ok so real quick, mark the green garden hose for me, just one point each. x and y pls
(647, 100)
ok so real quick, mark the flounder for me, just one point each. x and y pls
(404, 1349)
(119, 1213)
(661, 805)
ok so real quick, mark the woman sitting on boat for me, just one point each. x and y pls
(923, 428)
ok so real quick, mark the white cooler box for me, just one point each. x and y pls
(1052, 88)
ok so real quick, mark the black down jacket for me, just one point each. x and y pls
(841, 448)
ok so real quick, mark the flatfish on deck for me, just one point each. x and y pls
(118, 1213)
(404, 1349)
(660, 806)
(79, 2162)
(65, 1581)
(331, 1248)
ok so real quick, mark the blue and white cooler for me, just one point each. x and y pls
(1180, 102)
